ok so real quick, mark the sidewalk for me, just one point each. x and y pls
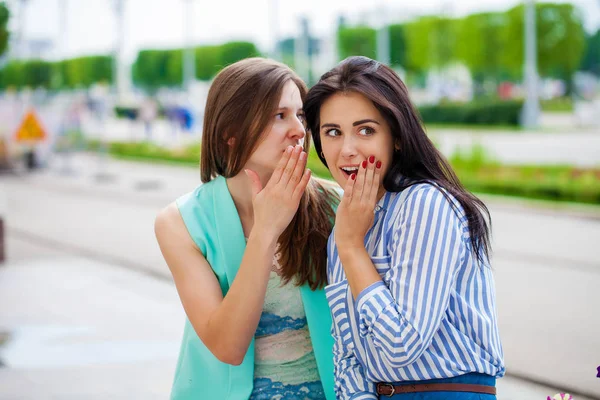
(75, 328)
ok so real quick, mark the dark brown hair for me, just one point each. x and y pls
(241, 104)
(417, 159)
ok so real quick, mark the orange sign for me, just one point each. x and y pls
(31, 129)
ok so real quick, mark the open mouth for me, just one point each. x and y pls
(347, 171)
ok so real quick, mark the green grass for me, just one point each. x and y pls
(562, 104)
(478, 173)
(437, 126)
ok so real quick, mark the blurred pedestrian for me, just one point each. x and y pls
(148, 113)
(247, 248)
(410, 285)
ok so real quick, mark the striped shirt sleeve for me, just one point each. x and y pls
(397, 321)
(350, 381)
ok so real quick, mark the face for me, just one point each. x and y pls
(287, 129)
(352, 130)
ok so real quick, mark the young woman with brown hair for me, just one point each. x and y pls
(247, 248)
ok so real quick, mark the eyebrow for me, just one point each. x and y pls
(363, 121)
(356, 123)
(288, 108)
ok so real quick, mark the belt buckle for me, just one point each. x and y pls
(393, 390)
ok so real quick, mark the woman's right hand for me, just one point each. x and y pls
(276, 204)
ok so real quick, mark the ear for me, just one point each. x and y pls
(397, 146)
(231, 141)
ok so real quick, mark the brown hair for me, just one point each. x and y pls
(417, 158)
(241, 103)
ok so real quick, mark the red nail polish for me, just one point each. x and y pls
(364, 164)
(353, 176)
(378, 165)
(372, 159)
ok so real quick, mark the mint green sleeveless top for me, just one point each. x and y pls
(213, 223)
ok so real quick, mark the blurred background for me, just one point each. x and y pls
(101, 110)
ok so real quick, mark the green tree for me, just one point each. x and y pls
(398, 52)
(208, 62)
(37, 74)
(560, 40)
(357, 41)
(4, 34)
(12, 75)
(430, 43)
(235, 51)
(591, 59)
(155, 68)
(480, 44)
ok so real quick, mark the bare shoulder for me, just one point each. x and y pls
(170, 228)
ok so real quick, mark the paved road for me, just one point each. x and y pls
(546, 260)
(67, 340)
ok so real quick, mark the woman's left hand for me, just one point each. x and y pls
(356, 211)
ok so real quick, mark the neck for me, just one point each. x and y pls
(240, 188)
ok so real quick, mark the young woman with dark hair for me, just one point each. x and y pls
(410, 287)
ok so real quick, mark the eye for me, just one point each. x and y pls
(366, 131)
(279, 116)
(302, 118)
(332, 132)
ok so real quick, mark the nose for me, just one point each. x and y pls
(297, 130)
(348, 148)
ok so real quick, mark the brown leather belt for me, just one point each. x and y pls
(387, 389)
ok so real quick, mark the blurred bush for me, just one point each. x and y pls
(474, 113)
(559, 104)
(81, 72)
(476, 170)
(163, 68)
(479, 173)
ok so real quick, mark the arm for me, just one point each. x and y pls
(350, 381)
(227, 325)
(210, 314)
(397, 323)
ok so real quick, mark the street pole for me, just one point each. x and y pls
(531, 108)
(383, 37)
(189, 67)
(118, 65)
(274, 22)
(301, 50)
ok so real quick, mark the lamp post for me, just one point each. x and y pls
(531, 108)
(383, 36)
(274, 25)
(118, 66)
(189, 67)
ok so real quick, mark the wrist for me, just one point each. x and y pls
(349, 250)
(263, 238)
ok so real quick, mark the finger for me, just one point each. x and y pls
(359, 185)
(276, 177)
(376, 182)
(299, 171)
(255, 182)
(301, 186)
(349, 189)
(369, 179)
(290, 166)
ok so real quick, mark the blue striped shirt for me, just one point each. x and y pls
(433, 314)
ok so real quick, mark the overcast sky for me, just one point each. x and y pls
(91, 26)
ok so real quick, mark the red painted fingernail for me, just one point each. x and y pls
(372, 159)
(364, 164)
(353, 176)
(378, 165)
